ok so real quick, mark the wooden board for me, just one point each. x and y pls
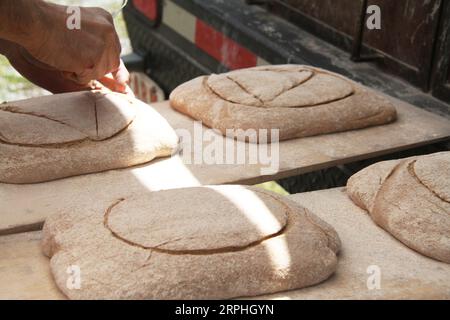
(24, 207)
(24, 271)
(404, 273)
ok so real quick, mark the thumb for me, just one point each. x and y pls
(121, 75)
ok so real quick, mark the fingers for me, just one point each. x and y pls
(84, 76)
(109, 82)
(61, 81)
(121, 75)
(74, 58)
(84, 54)
(110, 62)
(117, 80)
(108, 59)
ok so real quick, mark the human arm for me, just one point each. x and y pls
(78, 55)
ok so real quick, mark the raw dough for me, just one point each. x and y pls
(63, 135)
(298, 100)
(409, 198)
(193, 243)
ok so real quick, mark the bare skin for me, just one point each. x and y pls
(35, 39)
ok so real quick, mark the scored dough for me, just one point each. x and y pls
(297, 100)
(52, 137)
(410, 199)
(193, 243)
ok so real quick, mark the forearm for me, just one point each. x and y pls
(20, 20)
(41, 30)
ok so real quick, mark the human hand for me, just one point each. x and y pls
(83, 55)
(53, 80)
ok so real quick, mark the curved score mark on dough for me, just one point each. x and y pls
(262, 102)
(279, 94)
(257, 212)
(410, 168)
(315, 73)
(276, 250)
(248, 91)
(12, 109)
(370, 206)
(94, 98)
(244, 89)
(412, 172)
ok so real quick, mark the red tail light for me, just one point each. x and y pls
(150, 8)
